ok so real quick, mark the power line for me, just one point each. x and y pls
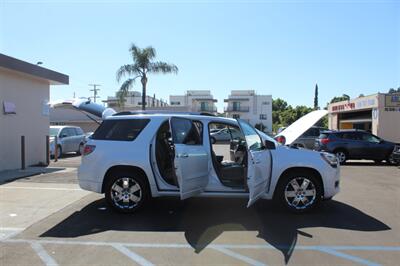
(95, 90)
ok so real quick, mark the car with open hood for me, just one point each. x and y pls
(134, 156)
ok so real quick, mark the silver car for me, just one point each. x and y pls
(69, 139)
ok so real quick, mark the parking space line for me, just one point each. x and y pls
(43, 188)
(223, 248)
(44, 256)
(132, 255)
(239, 256)
(347, 256)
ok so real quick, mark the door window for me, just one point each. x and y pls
(187, 132)
(253, 140)
(370, 138)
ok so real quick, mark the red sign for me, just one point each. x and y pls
(343, 107)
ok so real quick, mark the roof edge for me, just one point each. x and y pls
(55, 78)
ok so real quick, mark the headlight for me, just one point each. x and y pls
(330, 158)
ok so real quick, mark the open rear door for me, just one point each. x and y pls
(258, 163)
(191, 158)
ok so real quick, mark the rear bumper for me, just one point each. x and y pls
(88, 178)
(90, 185)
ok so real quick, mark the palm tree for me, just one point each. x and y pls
(143, 64)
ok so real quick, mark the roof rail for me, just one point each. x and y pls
(140, 112)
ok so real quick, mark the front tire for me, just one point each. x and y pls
(126, 192)
(390, 160)
(299, 191)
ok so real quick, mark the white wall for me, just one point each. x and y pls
(28, 94)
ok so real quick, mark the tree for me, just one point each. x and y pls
(344, 97)
(260, 126)
(316, 107)
(143, 64)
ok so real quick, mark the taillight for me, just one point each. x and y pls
(88, 149)
(325, 141)
(281, 140)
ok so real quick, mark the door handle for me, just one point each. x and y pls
(183, 155)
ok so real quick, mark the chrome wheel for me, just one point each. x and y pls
(341, 156)
(126, 193)
(300, 193)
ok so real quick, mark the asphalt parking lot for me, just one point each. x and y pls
(47, 219)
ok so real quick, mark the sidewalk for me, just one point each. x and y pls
(10, 175)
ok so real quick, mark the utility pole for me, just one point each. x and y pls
(95, 90)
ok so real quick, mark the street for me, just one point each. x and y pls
(47, 219)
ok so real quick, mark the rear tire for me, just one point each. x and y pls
(59, 152)
(341, 155)
(299, 191)
(126, 192)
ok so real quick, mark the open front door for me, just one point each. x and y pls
(191, 158)
(258, 163)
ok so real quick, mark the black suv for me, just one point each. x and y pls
(356, 144)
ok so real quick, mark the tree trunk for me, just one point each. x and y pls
(144, 83)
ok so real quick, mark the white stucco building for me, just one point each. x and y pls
(195, 101)
(24, 97)
(252, 107)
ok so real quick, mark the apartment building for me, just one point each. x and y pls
(134, 101)
(249, 106)
(195, 101)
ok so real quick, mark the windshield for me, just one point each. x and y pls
(54, 132)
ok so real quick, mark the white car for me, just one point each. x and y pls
(132, 157)
(69, 139)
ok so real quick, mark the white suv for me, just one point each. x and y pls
(133, 157)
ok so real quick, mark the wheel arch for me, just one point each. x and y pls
(290, 170)
(124, 168)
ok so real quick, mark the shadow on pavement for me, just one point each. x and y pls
(203, 220)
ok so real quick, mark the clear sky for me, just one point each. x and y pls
(280, 48)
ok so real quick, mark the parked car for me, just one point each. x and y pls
(355, 144)
(131, 158)
(307, 139)
(69, 139)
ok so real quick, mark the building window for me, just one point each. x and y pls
(236, 106)
(263, 117)
(265, 103)
(236, 116)
(175, 103)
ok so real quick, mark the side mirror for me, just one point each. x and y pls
(63, 136)
(269, 145)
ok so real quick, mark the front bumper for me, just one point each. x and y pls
(332, 182)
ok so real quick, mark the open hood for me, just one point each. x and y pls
(86, 106)
(295, 130)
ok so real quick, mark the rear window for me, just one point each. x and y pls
(323, 136)
(79, 131)
(120, 129)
